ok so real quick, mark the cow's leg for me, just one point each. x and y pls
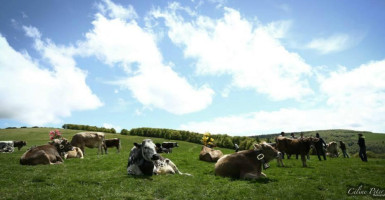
(253, 175)
(303, 158)
(280, 162)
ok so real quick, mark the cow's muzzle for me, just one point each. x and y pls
(155, 157)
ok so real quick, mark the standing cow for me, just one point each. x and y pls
(109, 143)
(88, 139)
(295, 146)
(19, 144)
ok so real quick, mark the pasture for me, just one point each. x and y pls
(105, 176)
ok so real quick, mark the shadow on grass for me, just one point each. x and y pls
(142, 177)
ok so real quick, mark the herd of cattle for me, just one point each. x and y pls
(145, 158)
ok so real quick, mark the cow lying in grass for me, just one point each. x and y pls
(76, 152)
(295, 146)
(210, 155)
(332, 149)
(46, 154)
(246, 164)
(144, 160)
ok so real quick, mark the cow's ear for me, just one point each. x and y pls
(257, 147)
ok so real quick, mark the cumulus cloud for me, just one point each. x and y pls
(34, 94)
(108, 125)
(118, 41)
(355, 99)
(247, 50)
(334, 43)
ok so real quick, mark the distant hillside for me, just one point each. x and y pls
(375, 142)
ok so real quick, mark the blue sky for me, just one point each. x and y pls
(223, 66)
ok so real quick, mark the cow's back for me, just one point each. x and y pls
(232, 165)
(88, 139)
(33, 155)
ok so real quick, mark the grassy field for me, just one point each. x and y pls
(104, 177)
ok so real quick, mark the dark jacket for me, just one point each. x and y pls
(342, 146)
(361, 142)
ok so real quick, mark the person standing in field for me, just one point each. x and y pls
(343, 149)
(361, 143)
(320, 147)
(236, 147)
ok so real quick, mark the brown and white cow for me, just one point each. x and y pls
(210, 155)
(46, 154)
(109, 143)
(295, 146)
(76, 152)
(246, 164)
(332, 149)
(88, 139)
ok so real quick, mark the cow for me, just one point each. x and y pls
(46, 154)
(166, 166)
(140, 160)
(160, 149)
(295, 146)
(246, 164)
(19, 144)
(109, 143)
(169, 146)
(209, 154)
(76, 152)
(88, 139)
(332, 149)
(6, 146)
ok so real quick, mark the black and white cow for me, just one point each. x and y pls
(169, 146)
(140, 161)
(144, 160)
(6, 146)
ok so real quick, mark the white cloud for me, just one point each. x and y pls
(250, 52)
(355, 100)
(152, 83)
(108, 8)
(108, 125)
(334, 43)
(33, 94)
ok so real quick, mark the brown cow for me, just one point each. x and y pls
(46, 154)
(88, 139)
(109, 143)
(209, 154)
(19, 144)
(246, 164)
(295, 146)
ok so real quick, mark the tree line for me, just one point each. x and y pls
(220, 140)
(88, 128)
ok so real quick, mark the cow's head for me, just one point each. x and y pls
(266, 152)
(164, 167)
(62, 145)
(148, 150)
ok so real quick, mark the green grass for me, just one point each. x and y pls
(104, 177)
